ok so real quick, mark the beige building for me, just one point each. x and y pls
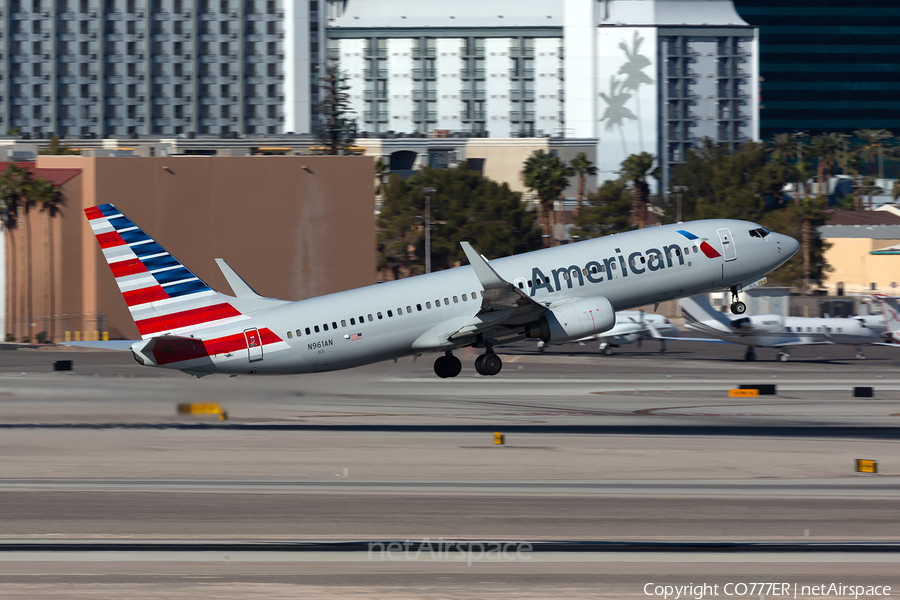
(858, 253)
(499, 159)
(293, 227)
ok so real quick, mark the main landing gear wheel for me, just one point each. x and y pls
(784, 356)
(488, 364)
(750, 354)
(447, 366)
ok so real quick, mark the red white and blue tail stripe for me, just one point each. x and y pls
(164, 297)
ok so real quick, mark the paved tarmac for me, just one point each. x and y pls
(390, 452)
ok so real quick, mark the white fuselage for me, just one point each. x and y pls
(416, 315)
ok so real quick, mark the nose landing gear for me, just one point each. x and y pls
(447, 366)
(737, 307)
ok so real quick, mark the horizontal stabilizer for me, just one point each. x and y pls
(240, 287)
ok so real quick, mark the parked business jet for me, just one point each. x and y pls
(631, 326)
(773, 331)
(557, 294)
(889, 317)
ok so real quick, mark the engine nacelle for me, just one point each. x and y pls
(760, 323)
(573, 321)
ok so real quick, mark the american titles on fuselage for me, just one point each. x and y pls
(637, 263)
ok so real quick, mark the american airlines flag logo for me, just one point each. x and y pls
(355, 336)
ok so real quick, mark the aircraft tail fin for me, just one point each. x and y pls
(163, 295)
(890, 311)
(699, 315)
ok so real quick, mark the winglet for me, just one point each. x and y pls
(487, 276)
(240, 287)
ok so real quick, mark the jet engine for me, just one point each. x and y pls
(573, 321)
(759, 324)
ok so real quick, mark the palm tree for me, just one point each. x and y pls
(809, 210)
(783, 148)
(872, 144)
(582, 167)
(547, 177)
(9, 206)
(49, 198)
(17, 185)
(826, 148)
(854, 162)
(636, 168)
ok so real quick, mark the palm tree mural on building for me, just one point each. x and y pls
(616, 111)
(623, 90)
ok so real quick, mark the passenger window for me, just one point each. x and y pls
(307, 330)
(343, 322)
(289, 335)
(456, 298)
(788, 329)
(839, 330)
(593, 268)
(298, 332)
(399, 311)
(334, 324)
(352, 321)
(409, 309)
(446, 301)
(428, 305)
(474, 296)
(437, 303)
(419, 307)
(361, 320)
(695, 248)
(584, 272)
(370, 318)
(566, 275)
(325, 326)
(686, 251)
(529, 285)
(390, 313)
(379, 316)
(614, 266)
(317, 328)
(603, 268)
(466, 298)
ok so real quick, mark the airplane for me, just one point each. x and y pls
(889, 317)
(556, 294)
(631, 326)
(773, 331)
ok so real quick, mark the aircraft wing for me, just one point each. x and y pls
(654, 333)
(502, 305)
(798, 343)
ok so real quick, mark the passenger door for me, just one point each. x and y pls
(728, 249)
(254, 344)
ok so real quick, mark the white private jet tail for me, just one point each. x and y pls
(890, 311)
(699, 315)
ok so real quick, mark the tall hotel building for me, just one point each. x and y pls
(159, 67)
(638, 75)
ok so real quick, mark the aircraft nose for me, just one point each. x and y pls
(789, 246)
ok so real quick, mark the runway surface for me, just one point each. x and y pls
(638, 459)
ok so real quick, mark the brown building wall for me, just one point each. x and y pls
(293, 227)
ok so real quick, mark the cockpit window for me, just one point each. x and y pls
(759, 233)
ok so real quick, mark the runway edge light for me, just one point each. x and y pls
(499, 440)
(866, 466)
